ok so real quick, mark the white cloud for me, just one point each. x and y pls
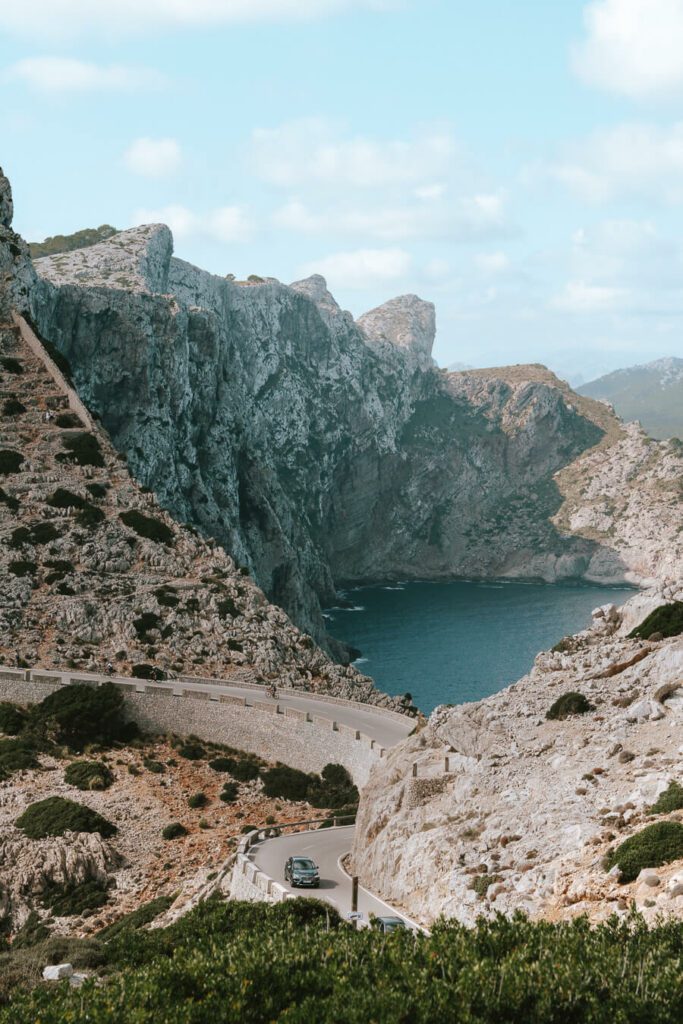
(311, 151)
(465, 219)
(65, 74)
(633, 47)
(362, 268)
(582, 297)
(223, 224)
(635, 159)
(76, 17)
(153, 158)
(430, 192)
(492, 262)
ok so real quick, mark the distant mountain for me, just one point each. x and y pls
(66, 243)
(651, 393)
(458, 367)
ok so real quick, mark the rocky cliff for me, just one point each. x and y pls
(314, 448)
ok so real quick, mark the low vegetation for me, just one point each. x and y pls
(568, 704)
(12, 718)
(174, 831)
(653, 846)
(297, 962)
(10, 461)
(667, 620)
(67, 243)
(13, 407)
(80, 899)
(56, 815)
(88, 775)
(83, 449)
(147, 526)
(332, 788)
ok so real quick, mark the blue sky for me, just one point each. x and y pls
(521, 165)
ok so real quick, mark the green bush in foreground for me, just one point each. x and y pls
(56, 815)
(670, 800)
(79, 714)
(571, 703)
(653, 846)
(296, 962)
(70, 900)
(88, 775)
(667, 620)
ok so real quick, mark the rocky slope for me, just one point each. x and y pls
(314, 448)
(92, 570)
(651, 393)
(530, 807)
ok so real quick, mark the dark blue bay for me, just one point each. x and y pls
(457, 641)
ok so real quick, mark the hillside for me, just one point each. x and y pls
(651, 393)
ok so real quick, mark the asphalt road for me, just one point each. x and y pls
(325, 847)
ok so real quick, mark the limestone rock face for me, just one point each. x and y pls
(17, 276)
(529, 806)
(311, 447)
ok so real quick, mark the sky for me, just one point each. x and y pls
(518, 164)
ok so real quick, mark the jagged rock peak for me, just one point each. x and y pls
(406, 321)
(6, 205)
(136, 260)
(315, 289)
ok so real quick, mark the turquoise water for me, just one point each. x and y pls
(457, 641)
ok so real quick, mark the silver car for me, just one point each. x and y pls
(302, 871)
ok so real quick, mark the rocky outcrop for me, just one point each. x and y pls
(528, 808)
(314, 448)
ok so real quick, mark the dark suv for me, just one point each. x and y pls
(302, 871)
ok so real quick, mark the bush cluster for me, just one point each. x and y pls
(70, 900)
(197, 800)
(88, 775)
(80, 714)
(670, 800)
(147, 526)
(56, 815)
(12, 718)
(653, 846)
(173, 831)
(667, 620)
(332, 788)
(571, 703)
(10, 461)
(229, 793)
(13, 407)
(83, 449)
(297, 962)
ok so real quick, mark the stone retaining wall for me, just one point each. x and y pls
(294, 739)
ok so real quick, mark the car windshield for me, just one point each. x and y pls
(303, 864)
(393, 922)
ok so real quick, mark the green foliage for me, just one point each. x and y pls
(296, 962)
(21, 567)
(129, 923)
(229, 793)
(11, 365)
(7, 499)
(145, 671)
(670, 800)
(67, 243)
(39, 533)
(88, 775)
(70, 900)
(197, 800)
(10, 461)
(222, 764)
(167, 597)
(12, 718)
(241, 768)
(570, 703)
(227, 607)
(17, 755)
(147, 621)
(68, 420)
(653, 846)
(667, 620)
(83, 449)
(332, 788)
(156, 767)
(32, 931)
(22, 968)
(13, 407)
(56, 815)
(481, 883)
(98, 491)
(79, 714)
(147, 526)
(88, 515)
(173, 831)
(192, 749)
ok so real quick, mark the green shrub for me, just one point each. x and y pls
(653, 846)
(68, 420)
(221, 764)
(11, 365)
(88, 515)
(197, 800)
(81, 898)
(174, 831)
(7, 499)
(192, 750)
(146, 622)
(667, 620)
(243, 769)
(22, 968)
(10, 461)
(12, 718)
(145, 671)
(32, 931)
(135, 919)
(288, 783)
(79, 714)
(147, 526)
(98, 491)
(56, 815)
(481, 884)
(17, 755)
(332, 788)
(20, 567)
(88, 775)
(156, 767)
(83, 449)
(670, 800)
(227, 607)
(13, 407)
(167, 597)
(229, 793)
(570, 703)
(248, 828)
(39, 533)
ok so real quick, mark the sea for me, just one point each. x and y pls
(460, 640)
